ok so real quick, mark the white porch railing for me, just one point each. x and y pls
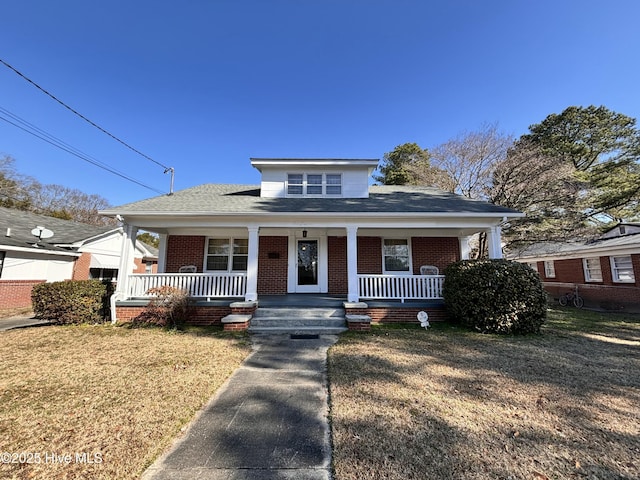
(197, 284)
(400, 287)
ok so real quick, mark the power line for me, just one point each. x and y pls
(37, 132)
(83, 117)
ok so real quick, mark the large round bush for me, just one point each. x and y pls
(495, 296)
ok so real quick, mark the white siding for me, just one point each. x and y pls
(23, 266)
(355, 181)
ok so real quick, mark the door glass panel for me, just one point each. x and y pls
(307, 262)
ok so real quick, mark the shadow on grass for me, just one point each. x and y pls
(558, 404)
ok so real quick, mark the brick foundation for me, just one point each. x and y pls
(16, 293)
(399, 314)
(197, 315)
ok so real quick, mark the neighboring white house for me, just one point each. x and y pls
(310, 226)
(76, 251)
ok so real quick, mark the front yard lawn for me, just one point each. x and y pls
(103, 402)
(451, 404)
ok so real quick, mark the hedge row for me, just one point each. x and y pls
(495, 296)
(72, 302)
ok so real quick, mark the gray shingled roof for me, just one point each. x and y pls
(553, 249)
(65, 232)
(245, 199)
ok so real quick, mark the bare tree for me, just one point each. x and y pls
(26, 193)
(465, 164)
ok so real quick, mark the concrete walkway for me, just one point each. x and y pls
(269, 421)
(20, 322)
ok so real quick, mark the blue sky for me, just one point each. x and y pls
(204, 85)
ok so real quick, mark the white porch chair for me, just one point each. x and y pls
(429, 270)
(188, 269)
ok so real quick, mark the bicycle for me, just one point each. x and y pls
(574, 297)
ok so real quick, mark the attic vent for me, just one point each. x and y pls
(623, 230)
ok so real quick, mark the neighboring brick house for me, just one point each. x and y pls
(312, 226)
(606, 270)
(76, 251)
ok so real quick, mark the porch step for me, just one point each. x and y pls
(312, 321)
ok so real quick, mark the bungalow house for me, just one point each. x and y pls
(606, 270)
(63, 250)
(312, 233)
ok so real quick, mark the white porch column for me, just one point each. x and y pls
(125, 268)
(162, 253)
(352, 264)
(252, 265)
(494, 242)
(465, 249)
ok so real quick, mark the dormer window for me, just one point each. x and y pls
(314, 184)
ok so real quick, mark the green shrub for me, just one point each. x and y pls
(168, 308)
(71, 302)
(495, 296)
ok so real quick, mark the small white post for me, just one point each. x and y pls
(352, 263)
(252, 265)
(465, 249)
(494, 241)
(162, 253)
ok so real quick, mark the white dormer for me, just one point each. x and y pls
(314, 178)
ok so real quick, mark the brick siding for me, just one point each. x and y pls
(16, 293)
(337, 252)
(184, 250)
(273, 261)
(81, 267)
(438, 251)
(370, 255)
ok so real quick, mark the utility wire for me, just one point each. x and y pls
(25, 126)
(83, 117)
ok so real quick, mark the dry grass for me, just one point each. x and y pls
(450, 404)
(12, 312)
(117, 394)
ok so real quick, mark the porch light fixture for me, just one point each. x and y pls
(304, 234)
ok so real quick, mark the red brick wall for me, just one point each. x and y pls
(438, 251)
(272, 272)
(16, 293)
(399, 314)
(370, 255)
(81, 267)
(184, 250)
(199, 315)
(606, 294)
(141, 266)
(337, 251)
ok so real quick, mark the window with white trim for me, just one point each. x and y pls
(314, 184)
(549, 269)
(592, 269)
(533, 266)
(227, 254)
(395, 255)
(622, 269)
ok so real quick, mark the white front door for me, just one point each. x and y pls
(308, 271)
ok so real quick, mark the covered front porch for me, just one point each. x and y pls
(387, 263)
(209, 286)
